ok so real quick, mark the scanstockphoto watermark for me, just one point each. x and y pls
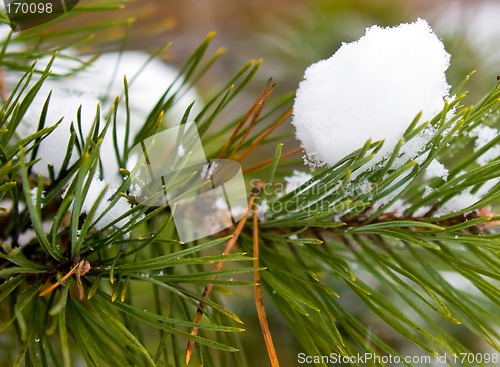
(365, 358)
(282, 201)
(170, 169)
(395, 360)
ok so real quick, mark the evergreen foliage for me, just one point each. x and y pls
(333, 256)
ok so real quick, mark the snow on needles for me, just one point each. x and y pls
(296, 180)
(98, 85)
(96, 188)
(483, 135)
(371, 88)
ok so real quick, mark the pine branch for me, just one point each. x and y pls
(356, 243)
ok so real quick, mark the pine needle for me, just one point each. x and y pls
(270, 160)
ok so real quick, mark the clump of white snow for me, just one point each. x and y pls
(436, 169)
(96, 188)
(100, 83)
(483, 135)
(370, 88)
(423, 210)
(262, 210)
(397, 208)
(62, 106)
(296, 180)
(414, 148)
(34, 194)
(148, 79)
(459, 202)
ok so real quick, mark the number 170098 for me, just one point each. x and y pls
(29, 8)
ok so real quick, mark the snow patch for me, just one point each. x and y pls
(297, 179)
(371, 88)
(96, 188)
(483, 135)
(436, 169)
(457, 203)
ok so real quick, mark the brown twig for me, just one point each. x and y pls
(265, 134)
(250, 112)
(72, 271)
(264, 96)
(80, 269)
(208, 288)
(259, 303)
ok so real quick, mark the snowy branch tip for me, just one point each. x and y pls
(370, 89)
